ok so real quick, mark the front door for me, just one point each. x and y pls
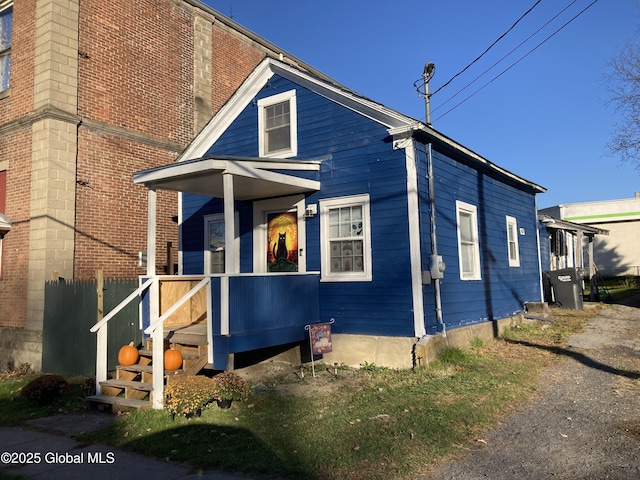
(279, 235)
(282, 241)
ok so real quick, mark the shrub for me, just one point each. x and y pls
(45, 389)
(186, 394)
(230, 386)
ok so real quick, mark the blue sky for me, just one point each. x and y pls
(545, 119)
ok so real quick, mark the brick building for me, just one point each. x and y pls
(90, 92)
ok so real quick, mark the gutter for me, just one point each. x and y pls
(433, 135)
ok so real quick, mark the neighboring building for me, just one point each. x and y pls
(570, 245)
(91, 92)
(615, 254)
(304, 203)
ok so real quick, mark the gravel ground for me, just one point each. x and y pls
(584, 423)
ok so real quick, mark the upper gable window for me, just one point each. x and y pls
(6, 27)
(277, 125)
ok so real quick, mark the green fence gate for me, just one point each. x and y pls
(70, 310)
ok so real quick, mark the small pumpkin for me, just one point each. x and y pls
(172, 359)
(128, 355)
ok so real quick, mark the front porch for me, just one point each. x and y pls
(237, 312)
(210, 319)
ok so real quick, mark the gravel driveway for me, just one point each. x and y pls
(585, 422)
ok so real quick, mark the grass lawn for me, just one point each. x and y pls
(369, 423)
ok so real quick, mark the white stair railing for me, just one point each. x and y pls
(100, 328)
(157, 335)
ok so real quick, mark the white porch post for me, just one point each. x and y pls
(151, 232)
(229, 224)
(157, 336)
(229, 256)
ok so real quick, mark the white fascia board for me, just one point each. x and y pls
(301, 165)
(368, 108)
(404, 131)
(228, 113)
(234, 168)
(178, 169)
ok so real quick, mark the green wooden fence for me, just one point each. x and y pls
(70, 310)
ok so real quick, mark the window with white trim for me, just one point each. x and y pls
(277, 125)
(512, 242)
(6, 35)
(214, 243)
(345, 239)
(468, 246)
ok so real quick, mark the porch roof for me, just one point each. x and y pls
(558, 224)
(254, 178)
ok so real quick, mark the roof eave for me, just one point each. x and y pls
(418, 129)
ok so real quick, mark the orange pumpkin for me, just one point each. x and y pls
(128, 355)
(172, 359)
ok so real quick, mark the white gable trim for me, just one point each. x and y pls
(228, 113)
(256, 81)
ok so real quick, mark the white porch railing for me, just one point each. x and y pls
(154, 329)
(100, 328)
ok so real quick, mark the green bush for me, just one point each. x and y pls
(45, 389)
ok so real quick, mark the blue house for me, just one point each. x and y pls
(305, 203)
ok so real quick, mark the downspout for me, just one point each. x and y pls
(437, 266)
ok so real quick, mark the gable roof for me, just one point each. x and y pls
(398, 124)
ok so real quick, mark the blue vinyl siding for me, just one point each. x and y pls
(194, 209)
(358, 158)
(503, 290)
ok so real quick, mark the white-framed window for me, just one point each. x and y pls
(512, 242)
(468, 246)
(345, 239)
(277, 125)
(214, 243)
(6, 35)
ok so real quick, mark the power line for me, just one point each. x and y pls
(519, 60)
(503, 57)
(488, 48)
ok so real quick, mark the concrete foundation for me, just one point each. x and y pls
(402, 352)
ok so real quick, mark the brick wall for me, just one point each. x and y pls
(148, 75)
(13, 285)
(20, 101)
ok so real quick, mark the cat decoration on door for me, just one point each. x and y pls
(282, 242)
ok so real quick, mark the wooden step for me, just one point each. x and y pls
(185, 356)
(119, 401)
(136, 368)
(147, 387)
(186, 338)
